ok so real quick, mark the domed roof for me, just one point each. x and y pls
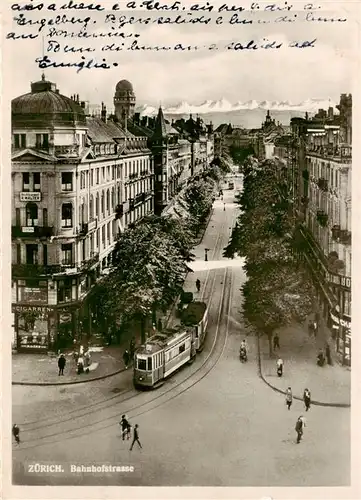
(124, 85)
(45, 100)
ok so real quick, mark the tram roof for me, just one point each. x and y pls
(159, 341)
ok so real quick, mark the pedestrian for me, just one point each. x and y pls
(276, 342)
(328, 354)
(224, 207)
(300, 425)
(320, 358)
(80, 365)
(126, 359)
(16, 433)
(61, 364)
(135, 437)
(198, 285)
(307, 398)
(160, 326)
(289, 398)
(125, 425)
(280, 367)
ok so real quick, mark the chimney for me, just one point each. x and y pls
(330, 113)
(77, 98)
(82, 104)
(104, 113)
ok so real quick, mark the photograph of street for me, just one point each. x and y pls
(181, 264)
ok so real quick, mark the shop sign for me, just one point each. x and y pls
(25, 196)
(29, 229)
(65, 318)
(340, 321)
(40, 309)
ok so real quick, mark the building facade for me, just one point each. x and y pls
(76, 182)
(318, 160)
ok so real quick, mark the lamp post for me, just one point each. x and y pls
(206, 250)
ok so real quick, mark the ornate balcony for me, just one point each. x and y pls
(32, 231)
(34, 270)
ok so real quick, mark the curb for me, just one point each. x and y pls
(280, 391)
(69, 383)
(54, 384)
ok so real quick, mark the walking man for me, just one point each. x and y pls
(276, 342)
(125, 425)
(126, 359)
(198, 285)
(16, 433)
(61, 364)
(300, 424)
(307, 399)
(135, 437)
(289, 398)
(280, 367)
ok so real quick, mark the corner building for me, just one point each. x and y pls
(77, 181)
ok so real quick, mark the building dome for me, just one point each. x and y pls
(124, 85)
(44, 103)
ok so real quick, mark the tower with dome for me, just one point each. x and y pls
(124, 102)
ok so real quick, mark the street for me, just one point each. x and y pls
(214, 423)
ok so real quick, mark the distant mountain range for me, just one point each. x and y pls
(224, 106)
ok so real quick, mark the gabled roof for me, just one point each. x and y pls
(32, 153)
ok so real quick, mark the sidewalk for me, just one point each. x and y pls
(42, 369)
(330, 385)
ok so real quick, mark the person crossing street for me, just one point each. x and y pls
(125, 425)
(289, 398)
(300, 425)
(135, 437)
(307, 398)
(198, 285)
(16, 433)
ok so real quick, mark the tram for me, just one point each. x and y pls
(164, 353)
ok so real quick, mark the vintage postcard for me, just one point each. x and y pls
(177, 249)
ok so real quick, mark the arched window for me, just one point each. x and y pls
(32, 214)
(66, 215)
(97, 205)
(102, 204)
(108, 201)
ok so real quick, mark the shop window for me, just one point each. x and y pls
(67, 215)
(67, 181)
(32, 215)
(67, 254)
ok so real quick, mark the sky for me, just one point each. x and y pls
(323, 71)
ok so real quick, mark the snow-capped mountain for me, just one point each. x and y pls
(224, 106)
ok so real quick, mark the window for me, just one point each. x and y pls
(92, 177)
(91, 208)
(108, 173)
(103, 174)
(26, 181)
(42, 141)
(20, 141)
(67, 181)
(97, 205)
(67, 254)
(103, 236)
(64, 290)
(98, 238)
(45, 217)
(108, 232)
(32, 254)
(18, 253)
(149, 363)
(182, 348)
(66, 215)
(17, 216)
(97, 176)
(32, 215)
(113, 173)
(108, 201)
(36, 178)
(45, 255)
(142, 364)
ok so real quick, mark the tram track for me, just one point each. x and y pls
(193, 378)
(27, 426)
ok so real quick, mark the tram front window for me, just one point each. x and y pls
(149, 363)
(142, 364)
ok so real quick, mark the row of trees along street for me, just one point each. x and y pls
(150, 260)
(278, 290)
